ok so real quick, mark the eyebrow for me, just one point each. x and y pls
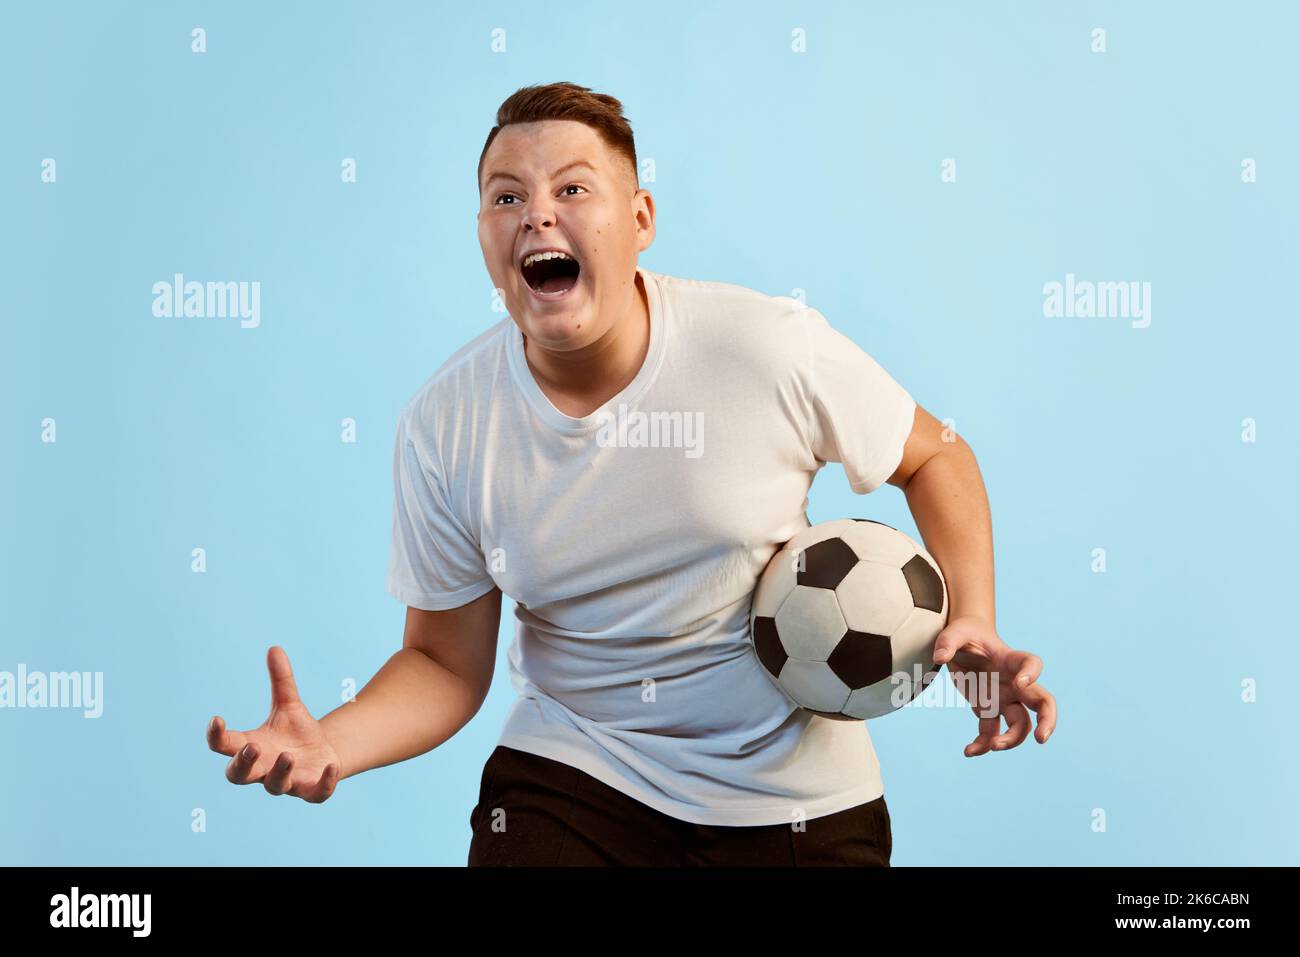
(498, 174)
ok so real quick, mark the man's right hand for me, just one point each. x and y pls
(289, 753)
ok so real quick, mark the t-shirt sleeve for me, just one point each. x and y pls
(434, 563)
(859, 416)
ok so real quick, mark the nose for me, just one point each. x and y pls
(539, 216)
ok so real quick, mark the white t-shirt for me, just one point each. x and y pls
(631, 541)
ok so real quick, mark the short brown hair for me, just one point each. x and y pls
(567, 101)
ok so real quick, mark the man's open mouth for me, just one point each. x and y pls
(550, 273)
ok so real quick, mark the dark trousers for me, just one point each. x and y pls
(533, 811)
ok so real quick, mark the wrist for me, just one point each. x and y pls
(336, 738)
(981, 615)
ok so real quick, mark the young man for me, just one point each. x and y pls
(646, 730)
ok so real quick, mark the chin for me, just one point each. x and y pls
(559, 331)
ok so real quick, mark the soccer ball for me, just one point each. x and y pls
(845, 616)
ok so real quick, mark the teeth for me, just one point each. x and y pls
(538, 257)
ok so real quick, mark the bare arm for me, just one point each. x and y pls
(945, 493)
(422, 695)
(425, 693)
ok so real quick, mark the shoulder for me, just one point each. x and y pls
(457, 381)
(760, 334)
(739, 318)
(716, 294)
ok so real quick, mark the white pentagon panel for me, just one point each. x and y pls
(874, 598)
(820, 532)
(809, 623)
(777, 581)
(877, 700)
(879, 543)
(813, 685)
(913, 643)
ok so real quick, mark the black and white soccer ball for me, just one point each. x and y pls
(845, 617)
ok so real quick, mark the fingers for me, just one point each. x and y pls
(1043, 704)
(324, 787)
(1034, 697)
(988, 728)
(240, 768)
(1017, 727)
(280, 778)
(283, 688)
(280, 781)
(1028, 667)
(223, 741)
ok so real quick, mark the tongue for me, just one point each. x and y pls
(558, 283)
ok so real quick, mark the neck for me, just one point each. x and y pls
(603, 367)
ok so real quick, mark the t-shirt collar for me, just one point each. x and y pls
(523, 375)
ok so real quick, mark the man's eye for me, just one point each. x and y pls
(497, 201)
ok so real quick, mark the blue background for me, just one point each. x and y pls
(776, 170)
